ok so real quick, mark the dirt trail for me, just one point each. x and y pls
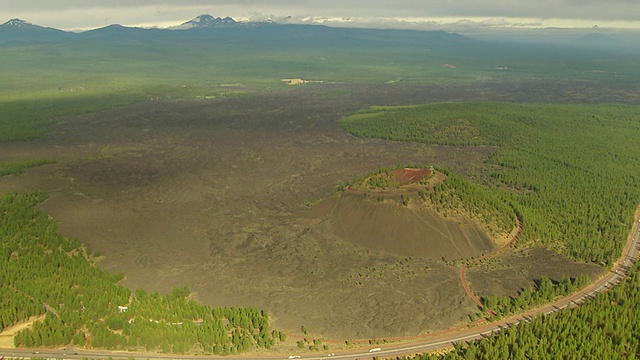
(463, 270)
(6, 336)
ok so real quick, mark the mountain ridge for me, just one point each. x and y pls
(205, 20)
(21, 31)
(207, 27)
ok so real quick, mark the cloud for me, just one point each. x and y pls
(583, 9)
(486, 13)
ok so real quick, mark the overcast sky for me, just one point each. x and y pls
(425, 14)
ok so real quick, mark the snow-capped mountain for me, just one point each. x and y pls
(17, 30)
(223, 30)
(206, 21)
(18, 23)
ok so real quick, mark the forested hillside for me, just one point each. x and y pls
(448, 196)
(569, 171)
(45, 274)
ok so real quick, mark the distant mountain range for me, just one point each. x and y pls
(268, 33)
(16, 31)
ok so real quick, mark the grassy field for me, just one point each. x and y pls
(92, 74)
(18, 167)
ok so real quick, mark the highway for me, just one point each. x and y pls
(428, 342)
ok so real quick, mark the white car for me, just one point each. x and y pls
(294, 356)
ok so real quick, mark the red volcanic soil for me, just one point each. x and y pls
(409, 175)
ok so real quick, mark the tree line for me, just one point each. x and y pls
(605, 327)
(543, 292)
(45, 273)
(569, 171)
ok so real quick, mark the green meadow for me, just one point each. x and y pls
(93, 73)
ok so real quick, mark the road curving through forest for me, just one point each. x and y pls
(420, 343)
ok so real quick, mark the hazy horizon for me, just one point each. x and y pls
(558, 35)
(460, 16)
